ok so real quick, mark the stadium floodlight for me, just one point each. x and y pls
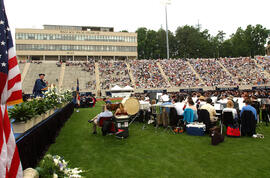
(166, 3)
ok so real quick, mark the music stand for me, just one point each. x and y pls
(156, 111)
(168, 127)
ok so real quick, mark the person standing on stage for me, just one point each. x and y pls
(40, 86)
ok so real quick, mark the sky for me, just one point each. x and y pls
(214, 15)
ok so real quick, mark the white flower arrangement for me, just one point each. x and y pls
(57, 97)
(60, 167)
(63, 165)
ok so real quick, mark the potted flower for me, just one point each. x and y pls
(40, 109)
(22, 115)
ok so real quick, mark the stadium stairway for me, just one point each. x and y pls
(62, 74)
(265, 72)
(225, 69)
(25, 70)
(97, 77)
(197, 75)
(163, 74)
(130, 74)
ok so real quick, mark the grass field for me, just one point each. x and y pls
(148, 154)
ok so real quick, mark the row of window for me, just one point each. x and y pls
(96, 48)
(74, 37)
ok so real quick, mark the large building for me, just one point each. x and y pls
(57, 42)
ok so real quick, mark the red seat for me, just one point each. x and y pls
(101, 121)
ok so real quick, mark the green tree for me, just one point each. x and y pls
(256, 37)
(141, 40)
(151, 49)
(239, 43)
(218, 41)
(192, 43)
(227, 48)
(161, 43)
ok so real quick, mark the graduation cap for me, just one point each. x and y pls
(41, 74)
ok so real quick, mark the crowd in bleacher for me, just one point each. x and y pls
(147, 74)
(89, 67)
(264, 62)
(211, 72)
(179, 73)
(245, 70)
(113, 73)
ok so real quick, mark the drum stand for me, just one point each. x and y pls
(144, 120)
(133, 118)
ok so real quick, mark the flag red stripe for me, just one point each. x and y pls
(16, 95)
(12, 62)
(1, 131)
(3, 81)
(6, 125)
(14, 164)
(12, 82)
(7, 173)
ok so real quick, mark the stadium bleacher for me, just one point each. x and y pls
(113, 73)
(84, 71)
(146, 74)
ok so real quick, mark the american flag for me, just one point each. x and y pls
(78, 92)
(10, 93)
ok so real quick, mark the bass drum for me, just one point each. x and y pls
(132, 105)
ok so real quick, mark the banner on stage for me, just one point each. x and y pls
(191, 90)
(226, 88)
(261, 88)
(154, 91)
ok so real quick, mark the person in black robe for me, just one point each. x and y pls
(40, 86)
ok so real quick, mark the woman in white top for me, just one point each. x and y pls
(230, 108)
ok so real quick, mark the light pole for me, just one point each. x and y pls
(167, 2)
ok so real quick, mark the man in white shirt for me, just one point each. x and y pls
(165, 97)
(105, 113)
(179, 105)
(223, 99)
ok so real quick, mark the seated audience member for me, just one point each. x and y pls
(120, 110)
(223, 99)
(179, 105)
(105, 113)
(165, 97)
(193, 107)
(230, 108)
(201, 102)
(107, 101)
(265, 113)
(210, 109)
(248, 107)
(147, 98)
